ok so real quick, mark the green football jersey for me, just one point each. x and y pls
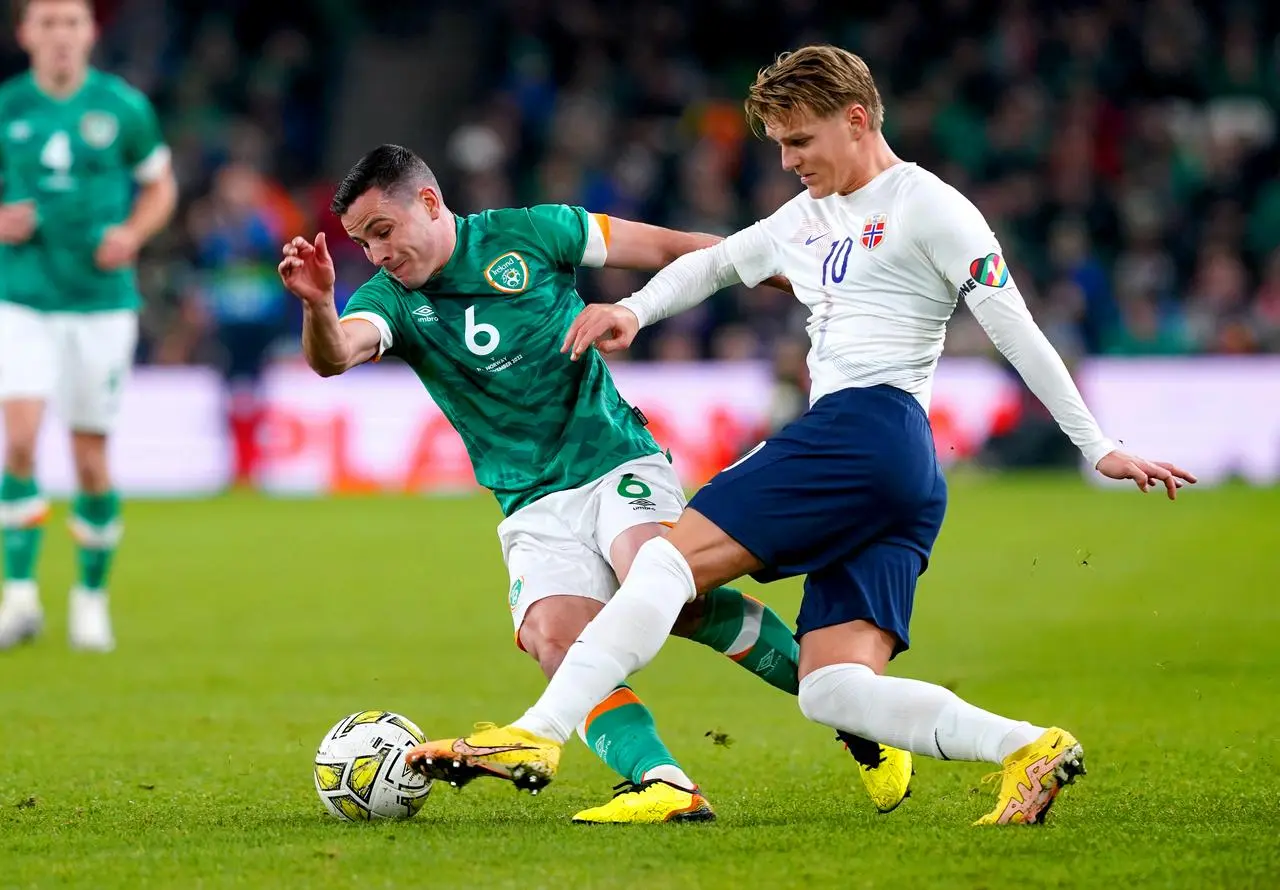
(78, 159)
(484, 336)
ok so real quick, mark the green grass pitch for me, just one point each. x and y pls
(248, 626)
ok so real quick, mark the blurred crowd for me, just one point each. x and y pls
(1125, 153)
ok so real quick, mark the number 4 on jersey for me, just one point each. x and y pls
(56, 154)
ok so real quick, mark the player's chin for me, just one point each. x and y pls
(411, 281)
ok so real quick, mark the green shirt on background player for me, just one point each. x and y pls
(478, 306)
(85, 181)
(76, 160)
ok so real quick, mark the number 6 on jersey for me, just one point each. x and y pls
(492, 337)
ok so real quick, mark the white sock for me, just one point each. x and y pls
(909, 714)
(620, 640)
(671, 774)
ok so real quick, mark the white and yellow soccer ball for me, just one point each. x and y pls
(360, 770)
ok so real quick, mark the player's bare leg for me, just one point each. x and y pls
(22, 516)
(95, 526)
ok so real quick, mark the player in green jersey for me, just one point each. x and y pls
(86, 181)
(477, 306)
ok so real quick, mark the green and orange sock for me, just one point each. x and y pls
(22, 515)
(621, 731)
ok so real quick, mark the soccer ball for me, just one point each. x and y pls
(360, 770)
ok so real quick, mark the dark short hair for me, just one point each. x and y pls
(387, 167)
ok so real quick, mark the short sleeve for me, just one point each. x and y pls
(144, 147)
(958, 242)
(573, 237)
(375, 305)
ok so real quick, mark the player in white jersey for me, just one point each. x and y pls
(850, 494)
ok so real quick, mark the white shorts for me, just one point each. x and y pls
(559, 544)
(79, 361)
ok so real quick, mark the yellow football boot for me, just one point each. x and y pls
(650, 803)
(1032, 777)
(886, 772)
(504, 752)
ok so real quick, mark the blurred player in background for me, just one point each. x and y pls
(86, 182)
(850, 494)
(477, 307)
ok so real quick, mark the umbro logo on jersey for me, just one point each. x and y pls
(425, 314)
(643, 504)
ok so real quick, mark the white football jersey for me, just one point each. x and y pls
(881, 271)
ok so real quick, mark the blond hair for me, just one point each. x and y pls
(820, 79)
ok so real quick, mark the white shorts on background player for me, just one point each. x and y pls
(560, 543)
(77, 361)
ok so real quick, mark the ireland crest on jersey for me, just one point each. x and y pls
(99, 128)
(508, 273)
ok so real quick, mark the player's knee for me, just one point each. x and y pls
(20, 456)
(90, 454)
(552, 625)
(830, 695)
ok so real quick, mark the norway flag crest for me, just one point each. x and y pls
(873, 230)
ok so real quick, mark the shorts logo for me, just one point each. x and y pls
(517, 587)
(99, 129)
(990, 270)
(643, 504)
(508, 274)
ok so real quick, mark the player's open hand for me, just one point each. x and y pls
(118, 248)
(307, 270)
(1146, 474)
(611, 328)
(17, 221)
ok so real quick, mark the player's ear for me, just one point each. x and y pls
(431, 200)
(857, 118)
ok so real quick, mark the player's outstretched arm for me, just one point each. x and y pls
(683, 284)
(640, 246)
(1005, 318)
(330, 346)
(637, 245)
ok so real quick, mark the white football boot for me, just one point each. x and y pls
(89, 624)
(21, 618)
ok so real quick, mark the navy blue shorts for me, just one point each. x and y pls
(849, 494)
